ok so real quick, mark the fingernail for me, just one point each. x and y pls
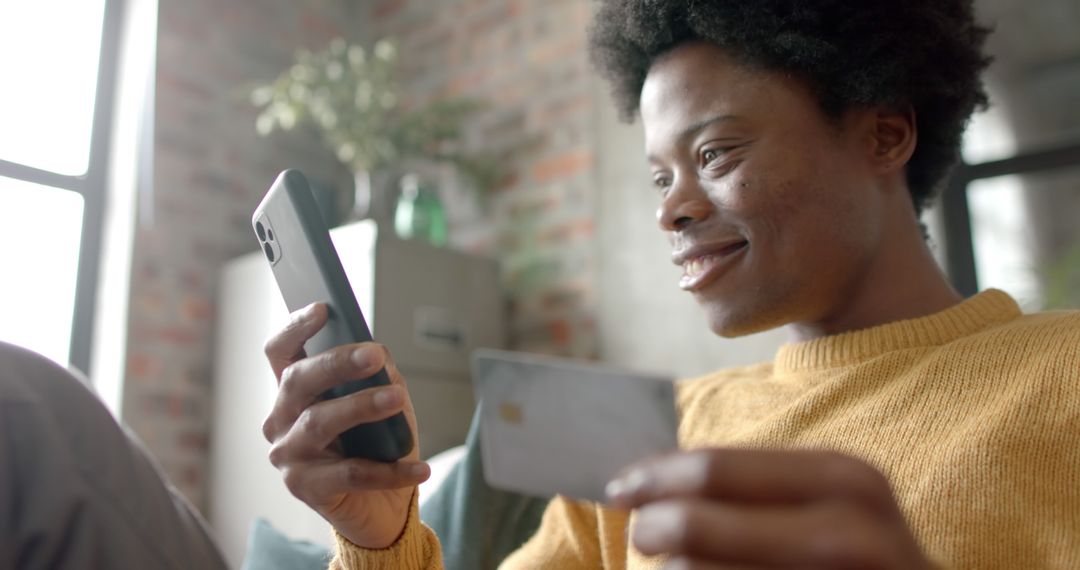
(362, 357)
(420, 470)
(615, 490)
(652, 530)
(626, 486)
(387, 398)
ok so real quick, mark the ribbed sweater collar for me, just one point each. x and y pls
(977, 313)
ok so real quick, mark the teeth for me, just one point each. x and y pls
(696, 266)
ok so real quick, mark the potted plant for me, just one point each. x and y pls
(352, 96)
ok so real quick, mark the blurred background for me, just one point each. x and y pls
(463, 147)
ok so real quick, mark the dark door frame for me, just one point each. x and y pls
(959, 249)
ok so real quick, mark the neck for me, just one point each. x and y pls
(902, 282)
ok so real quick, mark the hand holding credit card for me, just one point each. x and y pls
(554, 426)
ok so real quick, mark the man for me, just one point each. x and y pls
(793, 146)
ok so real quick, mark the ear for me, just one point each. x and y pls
(893, 135)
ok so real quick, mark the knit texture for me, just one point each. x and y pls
(972, 413)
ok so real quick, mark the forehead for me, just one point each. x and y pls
(699, 81)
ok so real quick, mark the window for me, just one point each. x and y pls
(1010, 223)
(58, 64)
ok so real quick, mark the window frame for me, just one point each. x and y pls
(959, 248)
(90, 185)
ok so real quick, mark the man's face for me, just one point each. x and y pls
(769, 206)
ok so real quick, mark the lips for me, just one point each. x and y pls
(703, 264)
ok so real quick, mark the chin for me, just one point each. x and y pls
(732, 319)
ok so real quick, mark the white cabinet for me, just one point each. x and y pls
(430, 306)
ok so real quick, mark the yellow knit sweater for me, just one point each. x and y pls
(973, 413)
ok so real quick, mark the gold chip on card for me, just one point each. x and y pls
(510, 413)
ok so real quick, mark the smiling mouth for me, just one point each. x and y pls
(704, 269)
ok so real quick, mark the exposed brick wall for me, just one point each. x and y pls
(528, 60)
(210, 171)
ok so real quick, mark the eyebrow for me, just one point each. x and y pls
(697, 128)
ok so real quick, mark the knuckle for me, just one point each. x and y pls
(270, 347)
(269, 429)
(845, 538)
(876, 481)
(826, 545)
(294, 482)
(846, 471)
(383, 357)
(309, 423)
(277, 455)
(862, 483)
(290, 377)
(357, 475)
(829, 540)
(275, 345)
(838, 463)
(334, 362)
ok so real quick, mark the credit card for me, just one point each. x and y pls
(556, 426)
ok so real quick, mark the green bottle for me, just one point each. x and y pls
(419, 213)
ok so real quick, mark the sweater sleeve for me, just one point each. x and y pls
(417, 549)
(568, 539)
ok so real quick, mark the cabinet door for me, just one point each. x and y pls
(434, 306)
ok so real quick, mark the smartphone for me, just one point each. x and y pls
(555, 426)
(296, 242)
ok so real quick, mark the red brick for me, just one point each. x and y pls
(566, 231)
(514, 8)
(197, 309)
(563, 165)
(175, 83)
(193, 441)
(321, 27)
(387, 8)
(174, 334)
(556, 51)
(192, 477)
(560, 331)
(568, 109)
(144, 366)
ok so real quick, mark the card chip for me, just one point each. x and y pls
(510, 413)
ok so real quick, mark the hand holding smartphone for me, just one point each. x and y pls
(296, 242)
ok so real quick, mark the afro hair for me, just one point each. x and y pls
(923, 53)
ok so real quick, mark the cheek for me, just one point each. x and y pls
(799, 224)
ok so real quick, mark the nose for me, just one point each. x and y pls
(685, 204)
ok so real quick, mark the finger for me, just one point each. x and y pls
(322, 484)
(287, 345)
(304, 380)
(321, 423)
(837, 535)
(785, 477)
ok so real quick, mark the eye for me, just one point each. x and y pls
(710, 155)
(661, 181)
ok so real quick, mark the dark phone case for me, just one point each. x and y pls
(307, 269)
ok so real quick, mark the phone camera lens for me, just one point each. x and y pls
(260, 231)
(269, 252)
(269, 234)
